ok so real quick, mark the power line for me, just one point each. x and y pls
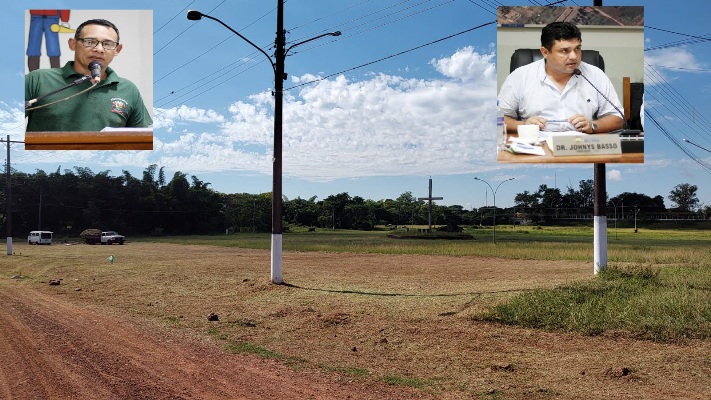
(682, 68)
(693, 39)
(482, 7)
(391, 56)
(375, 27)
(392, 13)
(174, 17)
(182, 32)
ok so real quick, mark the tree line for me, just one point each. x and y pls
(69, 201)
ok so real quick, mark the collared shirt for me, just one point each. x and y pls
(528, 91)
(114, 102)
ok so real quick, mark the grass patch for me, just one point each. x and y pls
(250, 348)
(641, 301)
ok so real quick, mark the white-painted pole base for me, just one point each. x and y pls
(600, 244)
(276, 259)
(9, 245)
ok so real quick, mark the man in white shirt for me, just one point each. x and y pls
(549, 94)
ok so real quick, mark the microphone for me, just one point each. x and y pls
(95, 68)
(624, 130)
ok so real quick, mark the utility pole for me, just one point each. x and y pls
(39, 216)
(599, 212)
(8, 193)
(279, 76)
(9, 201)
(280, 56)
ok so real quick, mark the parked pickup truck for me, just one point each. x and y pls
(94, 236)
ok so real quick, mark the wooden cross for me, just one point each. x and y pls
(429, 207)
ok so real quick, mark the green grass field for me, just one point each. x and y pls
(548, 243)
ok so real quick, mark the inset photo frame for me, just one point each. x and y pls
(89, 79)
(570, 84)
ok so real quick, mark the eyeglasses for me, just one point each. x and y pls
(91, 43)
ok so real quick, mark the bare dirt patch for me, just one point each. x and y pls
(344, 326)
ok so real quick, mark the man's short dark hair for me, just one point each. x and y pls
(559, 31)
(101, 22)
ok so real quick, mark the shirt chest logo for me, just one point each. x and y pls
(118, 106)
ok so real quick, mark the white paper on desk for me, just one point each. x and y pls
(125, 129)
(547, 134)
(520, 147)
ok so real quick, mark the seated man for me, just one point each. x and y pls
(550, 94)
(113, 102)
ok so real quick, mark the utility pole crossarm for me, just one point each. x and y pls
(277, 64)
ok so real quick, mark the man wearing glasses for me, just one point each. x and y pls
(112, 102)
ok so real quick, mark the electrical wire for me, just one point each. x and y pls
(181, 33)
(350, 35)
(174, 17)
(390, 56)
(675, 101)
(392, 13)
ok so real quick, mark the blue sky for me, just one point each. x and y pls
(376, 131)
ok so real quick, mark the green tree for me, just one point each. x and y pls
(301, 212)
(684, 197)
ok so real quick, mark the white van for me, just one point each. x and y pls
(39, 237)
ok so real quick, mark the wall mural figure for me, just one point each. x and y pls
(47, 23)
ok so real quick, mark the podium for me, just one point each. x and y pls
(112, 139)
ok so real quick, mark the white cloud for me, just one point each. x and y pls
(677, 59)
(672, 57)
(168, 117)
(614, 175)
(338, 128)
(12, 120)
(467, 65)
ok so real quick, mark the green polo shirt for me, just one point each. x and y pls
(114, 102)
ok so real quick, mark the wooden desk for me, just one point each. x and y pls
(114, 140)
(548, 158)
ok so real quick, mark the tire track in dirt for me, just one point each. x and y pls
(52, 348)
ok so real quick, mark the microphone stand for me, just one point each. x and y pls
(29, 103)
(622, 132)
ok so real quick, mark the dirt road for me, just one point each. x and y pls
(53, 349)
(137, 329)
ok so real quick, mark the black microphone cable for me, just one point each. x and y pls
(80, 80)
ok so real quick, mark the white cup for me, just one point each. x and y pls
(528, 133)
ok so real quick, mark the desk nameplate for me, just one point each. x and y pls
(585, 145)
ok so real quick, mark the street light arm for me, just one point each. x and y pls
(336, 33)
(487, 184)
(502, 182)
(194, 15)
(494, 193)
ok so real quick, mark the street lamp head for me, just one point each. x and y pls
(336, 33)
(194, 15)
